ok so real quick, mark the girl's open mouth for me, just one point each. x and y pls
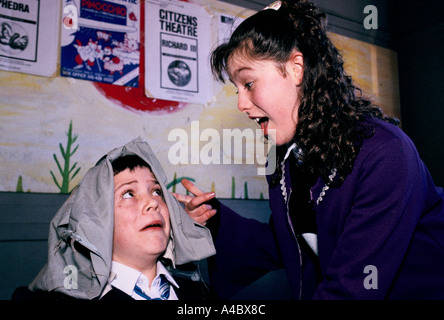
(263, 122)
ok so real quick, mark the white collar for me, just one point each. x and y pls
(127, 277)
(290, 148)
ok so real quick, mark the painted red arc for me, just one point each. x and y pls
(135, 98)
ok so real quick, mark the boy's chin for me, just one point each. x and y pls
(157, 246)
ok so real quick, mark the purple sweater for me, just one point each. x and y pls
(380, 235)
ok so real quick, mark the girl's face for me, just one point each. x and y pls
(267, 95)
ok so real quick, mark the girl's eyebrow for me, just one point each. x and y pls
(236, 73)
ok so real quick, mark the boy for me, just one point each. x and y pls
(113, 232)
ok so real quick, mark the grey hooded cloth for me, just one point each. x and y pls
(81, 233)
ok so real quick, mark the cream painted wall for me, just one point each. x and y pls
(35, 113)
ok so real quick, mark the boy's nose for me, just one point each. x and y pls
(150, 204)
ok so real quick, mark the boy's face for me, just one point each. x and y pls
(141, 218)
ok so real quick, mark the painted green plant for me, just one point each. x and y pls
(67, 172)
(176, 181)
(19, 187)
(233, 188)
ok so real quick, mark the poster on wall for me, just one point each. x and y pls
(101, 41)
(226, 25)
(29, 36)
(177, 46)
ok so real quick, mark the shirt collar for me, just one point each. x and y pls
(127, 277)
(290, 148)
(162, 270)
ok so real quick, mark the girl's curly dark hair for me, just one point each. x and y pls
(332, 113)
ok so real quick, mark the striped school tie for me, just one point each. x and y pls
(164, 290)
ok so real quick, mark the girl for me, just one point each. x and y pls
(355, 213)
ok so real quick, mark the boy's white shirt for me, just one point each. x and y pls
(125, 278)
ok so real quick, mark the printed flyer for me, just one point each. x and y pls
(177, 42)
(29, 36)
(226, 25)
(101, 41)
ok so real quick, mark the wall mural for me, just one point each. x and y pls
(54, 128)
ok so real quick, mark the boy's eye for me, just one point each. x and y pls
(128, 195)
(157, 192)
(248, 85)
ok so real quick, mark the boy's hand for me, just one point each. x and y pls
(195, 205)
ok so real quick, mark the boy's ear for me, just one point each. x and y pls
(297, 67)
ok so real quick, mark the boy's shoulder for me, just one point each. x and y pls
(192, 286)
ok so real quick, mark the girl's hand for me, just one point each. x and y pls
(195, 205)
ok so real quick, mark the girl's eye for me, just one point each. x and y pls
(128, 195)
(248, 85)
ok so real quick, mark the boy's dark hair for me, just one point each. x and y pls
(128, 162)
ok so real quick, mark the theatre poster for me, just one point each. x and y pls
(29, 36)
(178, 43)
(101, 41)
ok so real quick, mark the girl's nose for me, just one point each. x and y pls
(243, 103)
